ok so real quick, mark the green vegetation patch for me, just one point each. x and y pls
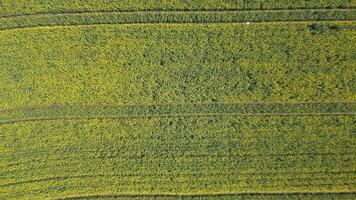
(176, 63)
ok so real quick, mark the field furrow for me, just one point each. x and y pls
(175, 110)
(152, 17)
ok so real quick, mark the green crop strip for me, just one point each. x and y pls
(317, 196)
(71, 19)
(28, 7)
(274, 154)
(177, 110)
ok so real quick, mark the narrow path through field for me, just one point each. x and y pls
(174, 115)
(176, 11)
(163, 181)
(56, 112)
(261, 103)
(177, 17)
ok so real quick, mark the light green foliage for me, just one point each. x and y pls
(184, 101)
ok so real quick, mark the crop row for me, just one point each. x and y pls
(317, 196)
(242, 126)
(176, 17)
(193, 155)
(26, 7)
